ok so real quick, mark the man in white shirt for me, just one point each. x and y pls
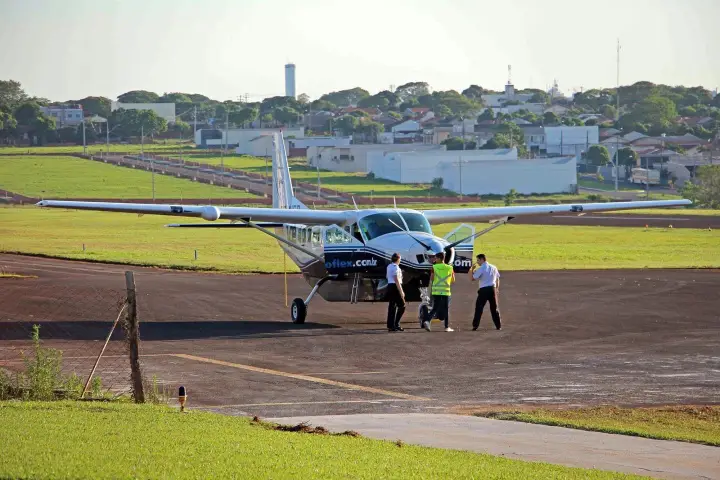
(395, 295)
(489, 286)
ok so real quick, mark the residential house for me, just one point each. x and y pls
(608, 132)
(318, 121)
(64, 115)
(558, 110)
(535, 139)
(634, 136)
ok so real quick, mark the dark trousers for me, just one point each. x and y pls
(396, 306)
(441, 308)
(486, 294)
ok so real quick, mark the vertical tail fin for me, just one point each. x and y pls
(282, 193)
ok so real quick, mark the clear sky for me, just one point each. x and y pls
(226, 48)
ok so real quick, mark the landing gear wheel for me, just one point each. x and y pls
(298, 311)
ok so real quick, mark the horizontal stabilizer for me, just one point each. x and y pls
(224, 225)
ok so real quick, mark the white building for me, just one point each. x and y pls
(240, 137)
(290, 80)
(540, 175)
(65, 116)
(483, 172)
(164, 110)
(494, 100)
(308, 142)
(565, 140)
(354, 158)
(422, 166)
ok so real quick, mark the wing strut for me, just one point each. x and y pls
(483, 232)
(282, 239)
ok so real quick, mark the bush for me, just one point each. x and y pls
(370, 176)
(510, 197)
(437, 183)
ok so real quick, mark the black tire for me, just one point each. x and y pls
(298, 311)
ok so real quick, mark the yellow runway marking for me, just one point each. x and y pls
(297, 376)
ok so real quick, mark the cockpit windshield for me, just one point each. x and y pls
(379, 224)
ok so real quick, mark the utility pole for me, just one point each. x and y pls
(107, 136)
(617, 118)
(460, 162)
(194, 120)
(84, 145)
(318, 175)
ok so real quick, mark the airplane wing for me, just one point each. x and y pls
(458, 215)
(208, 212)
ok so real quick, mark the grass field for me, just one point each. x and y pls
(125, 238)
(116, 440)
(71, 177)
(170, 146)
(584, 182)
(686, 423)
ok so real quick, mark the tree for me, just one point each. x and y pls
(90, 134)
(370, 128)
(550, 118)
(244, 116)
(94, 106)
(175, 97)
(11, 94)
(29, 115)
(412, 90)
(181, 127)
(474, 92)
(627, 157)
(437, 183)
(322, 105)
(442, 111)
(8, 124)
(133, 123)
(67, 134)
(655, 111)
(706, 192)
(266, 119)
(453, 143)
(347, 124)
(374, 101)
(487, 114)
(286, 115)
(510, 197)
(139, 96)
(303, 99)
(598, 155)
(609, 111)
(345, 98)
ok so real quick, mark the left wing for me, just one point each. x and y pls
(209, 212)
(458, 215)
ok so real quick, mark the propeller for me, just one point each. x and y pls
(427, 247)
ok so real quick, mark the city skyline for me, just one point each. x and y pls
(226, 51)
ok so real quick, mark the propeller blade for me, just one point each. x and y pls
(475, 235)
(411, 236)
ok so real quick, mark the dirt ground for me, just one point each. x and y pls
(568, 338)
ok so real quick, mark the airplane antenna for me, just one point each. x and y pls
(353, 199)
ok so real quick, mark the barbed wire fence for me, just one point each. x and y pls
(69, 342)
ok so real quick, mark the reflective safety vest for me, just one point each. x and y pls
(441, 279)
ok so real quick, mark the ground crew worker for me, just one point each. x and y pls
(488, 289)
(441, 277)
(395, 295)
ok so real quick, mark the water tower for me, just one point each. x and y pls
(290, 80)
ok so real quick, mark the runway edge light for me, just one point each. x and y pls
(182, 396)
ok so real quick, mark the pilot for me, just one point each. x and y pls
(441, 277)
(395, 295)
(488, 279)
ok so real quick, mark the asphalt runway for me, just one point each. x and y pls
(569, 338)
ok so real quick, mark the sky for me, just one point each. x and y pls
(224, 49)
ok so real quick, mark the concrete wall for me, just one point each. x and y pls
(422, 167)
(354, 158)
(240, 137)
(543, 175)
(164, 110)
(563, 140)
(317, 142)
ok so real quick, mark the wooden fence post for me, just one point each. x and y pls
(133, 335)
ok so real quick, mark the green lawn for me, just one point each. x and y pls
(170, 146)
(686, 423)
(117, 440)
(72, 177)
(127, 238)
(583, 182)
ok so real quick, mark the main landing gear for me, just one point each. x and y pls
(425, 305)
(298, 309)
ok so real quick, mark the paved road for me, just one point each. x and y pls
(576, 448)
(570, 337)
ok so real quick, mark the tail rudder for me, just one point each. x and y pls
(283, 193)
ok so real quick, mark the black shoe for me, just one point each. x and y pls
(399, 329)
(391, 330)
(475, 329)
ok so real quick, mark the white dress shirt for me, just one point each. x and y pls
(487, 275)
(392, 271)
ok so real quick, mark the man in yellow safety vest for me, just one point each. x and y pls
(441, 277)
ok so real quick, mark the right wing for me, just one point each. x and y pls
(209, 212)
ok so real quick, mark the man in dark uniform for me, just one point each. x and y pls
(395, 295)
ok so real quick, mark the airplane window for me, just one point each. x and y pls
(316, 236)
(380, 224)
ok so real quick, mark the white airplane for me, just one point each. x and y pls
(343, 254)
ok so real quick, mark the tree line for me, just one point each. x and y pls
(644, 106)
